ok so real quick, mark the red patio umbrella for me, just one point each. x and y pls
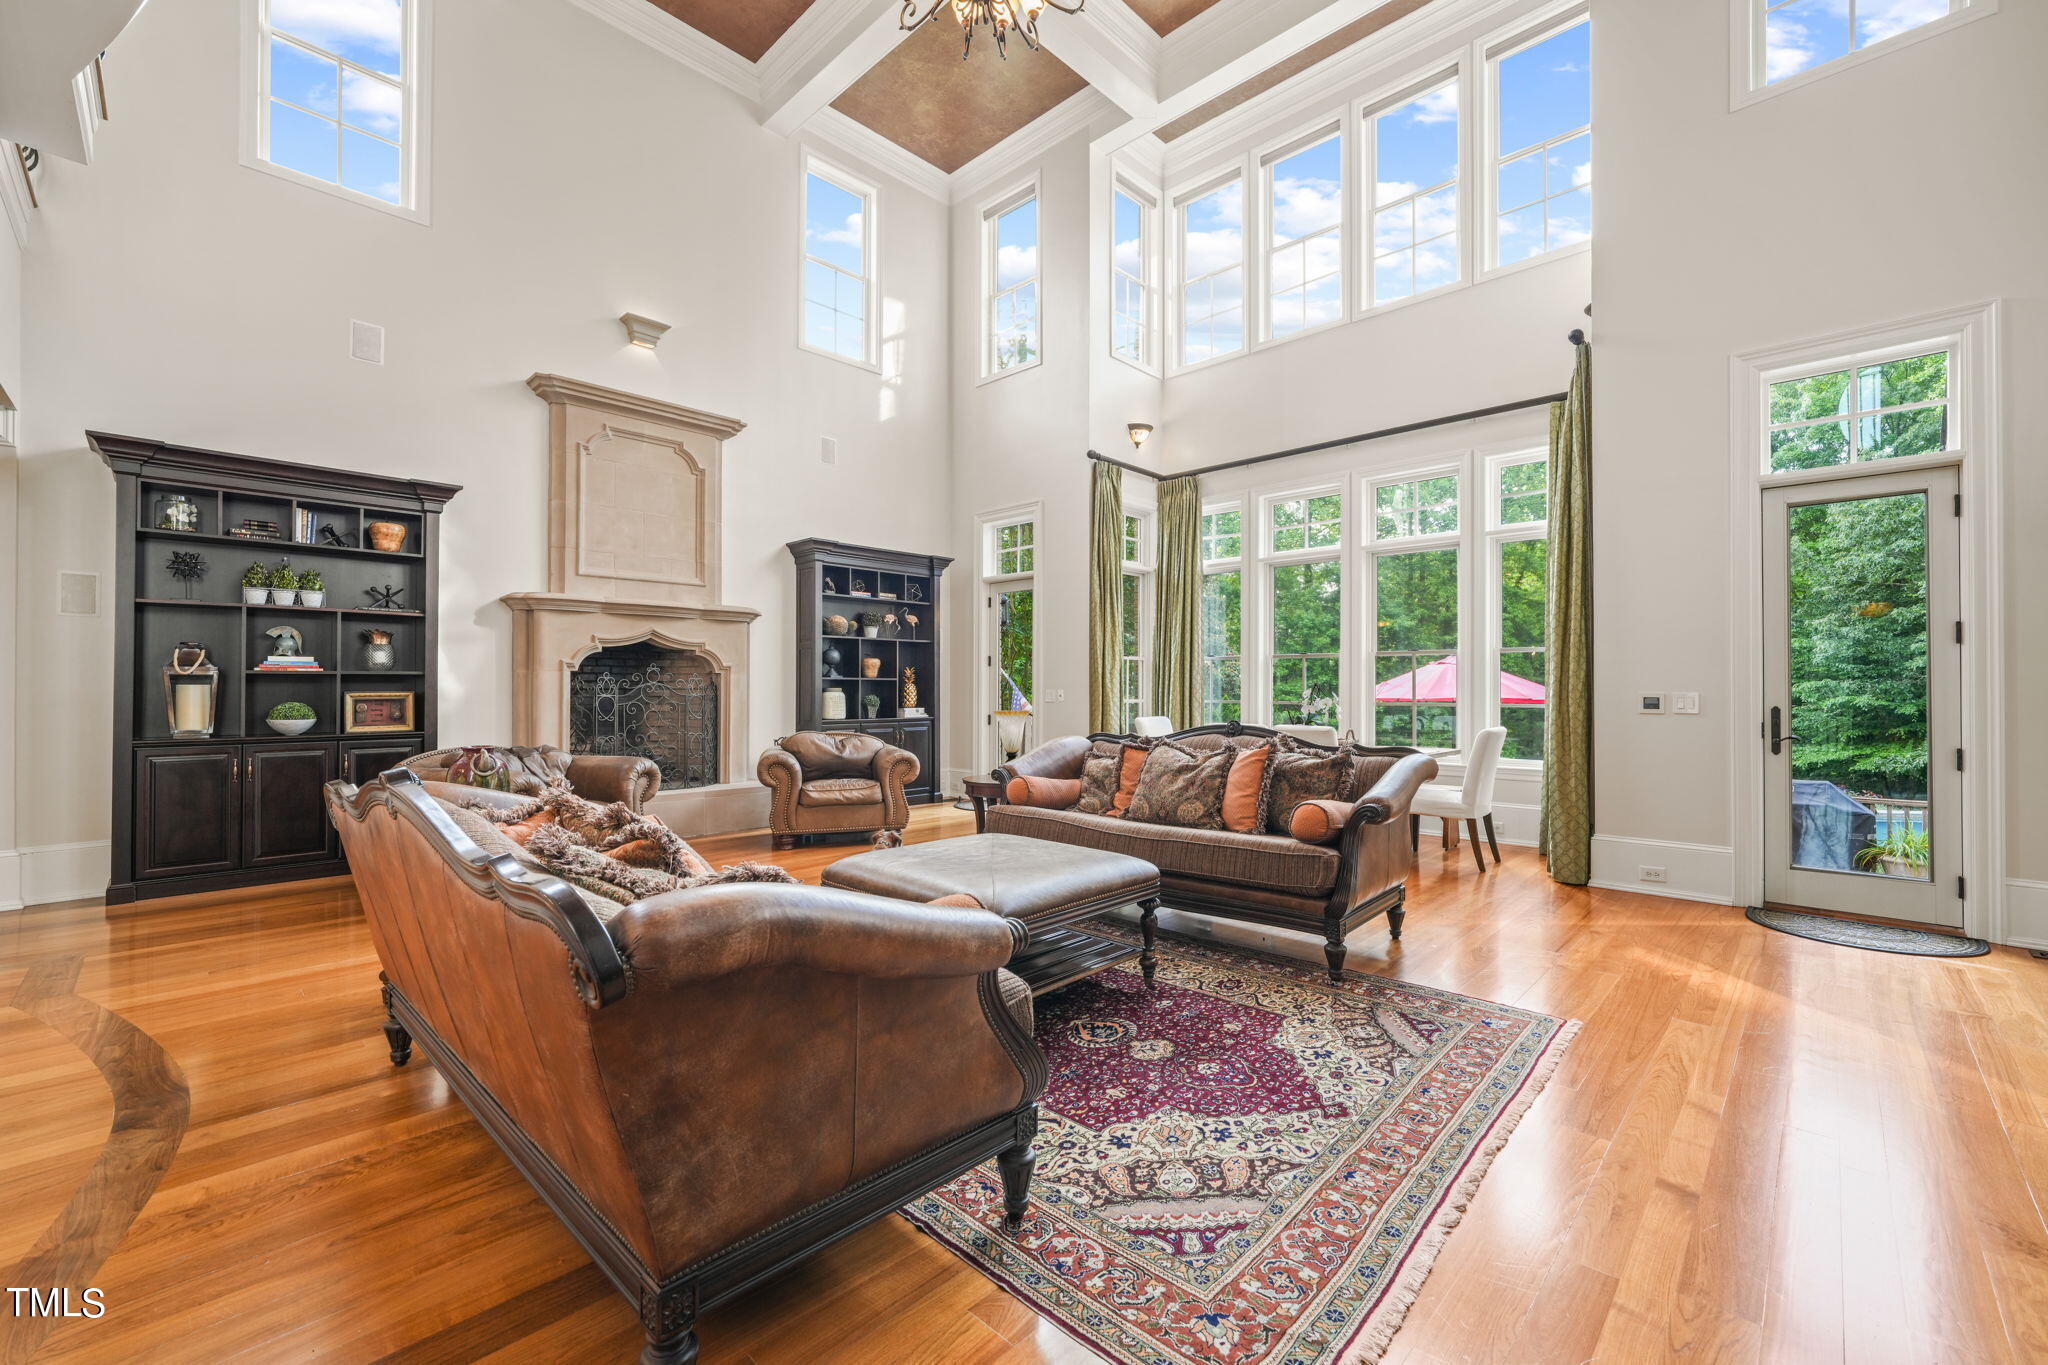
(1438, 682)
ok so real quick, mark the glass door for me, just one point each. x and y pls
(1012, 628)
(1862, 725)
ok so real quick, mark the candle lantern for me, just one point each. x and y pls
(191, 687)
(176, 512)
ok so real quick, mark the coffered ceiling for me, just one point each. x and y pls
(749, 28)
(924, 98)
(1167, 15)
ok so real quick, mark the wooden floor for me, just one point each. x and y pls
(1760, 1149)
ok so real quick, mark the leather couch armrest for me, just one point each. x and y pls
(681, 937)
(1061, 757)
(615, 777)
(1374, 846)
(895, 768)
(1391, 796)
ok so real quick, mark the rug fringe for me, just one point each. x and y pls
(1369, 1345)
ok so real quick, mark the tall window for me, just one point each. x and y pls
(1010, 266)
(838, 270)
(337, 103)
(1543, 144)
(1415, 633)
(1308, 635)
(1130, 275)
(1881, 411)
(1520, 560)
(1135, 671)
(1222, 616)
(1413, 147)
(1798, 35)
(1212, 273)
(1305, 234)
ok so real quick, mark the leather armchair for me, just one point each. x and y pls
(835, 782)
(594, 777)
(725, 1078)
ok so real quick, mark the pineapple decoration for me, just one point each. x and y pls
(910, 689)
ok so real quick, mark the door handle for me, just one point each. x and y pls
(1779, 736)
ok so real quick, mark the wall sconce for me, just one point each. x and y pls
(643, 331)
(1140, 433)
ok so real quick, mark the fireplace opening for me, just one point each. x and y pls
(649, 701)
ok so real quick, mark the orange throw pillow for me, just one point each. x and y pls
(1243, 788)
(1319, 822)
(1053, 793)
(1133, 763)
(520, 831)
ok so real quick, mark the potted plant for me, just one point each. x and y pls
(256, 584)
(291, 718)
(312, 588)
(1901, 853)
(871, 623)
(284, 585)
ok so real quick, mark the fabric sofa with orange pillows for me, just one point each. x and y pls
(1240, 820)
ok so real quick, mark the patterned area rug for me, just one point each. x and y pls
(1248, 1165)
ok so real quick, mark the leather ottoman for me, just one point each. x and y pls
(1046, 886)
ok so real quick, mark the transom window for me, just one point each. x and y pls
(1010, 265)
(1131, 274)
(838, 275)
(1012, 548)
(1799, 35)
(1523, 496)
(1310, 522)
(1415, 507)
(1132, 541)
(1212, 273)
(1543, 141)
(1222, 535)
(1413, 148)
(337, 102)
(1886, 410)
(1305, 236)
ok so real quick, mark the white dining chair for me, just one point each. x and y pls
(1150, 727)
(1472, 802)
(1314, 734)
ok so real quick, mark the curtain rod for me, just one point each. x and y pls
(1473, 415)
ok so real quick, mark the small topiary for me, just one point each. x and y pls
(291, 710)
(311, 581)
(283, 577)
(256, 576)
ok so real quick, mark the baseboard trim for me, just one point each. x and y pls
(1692, 872)
(1663, 892)
(2026, 913)
(60, 872)
(10, 879)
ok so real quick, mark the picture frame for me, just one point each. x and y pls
(376, 712)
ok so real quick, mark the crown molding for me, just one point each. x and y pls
(814, 31)
(864, 143)
(1119, 23)
(1070, 116)
(672, 37)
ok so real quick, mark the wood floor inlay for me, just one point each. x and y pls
(1759, 1151)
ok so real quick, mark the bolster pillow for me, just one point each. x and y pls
(1054, 793)
(1319, 822)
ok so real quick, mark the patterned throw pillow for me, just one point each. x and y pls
(1109, 775)
(1297, 775)
(1182, 786)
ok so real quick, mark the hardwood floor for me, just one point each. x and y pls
(1759, 1149)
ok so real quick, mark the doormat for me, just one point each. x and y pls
(1878, 938)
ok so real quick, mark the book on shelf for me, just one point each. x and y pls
(306, 526)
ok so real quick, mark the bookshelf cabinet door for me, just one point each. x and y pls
(283, 819)
(363, 760)
(187, 810)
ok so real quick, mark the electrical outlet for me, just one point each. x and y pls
(1650, 874)
(1685, 703)
(1059, 694)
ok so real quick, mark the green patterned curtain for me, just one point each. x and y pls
(1177, 613)
(1567, 837)
(1105, 595)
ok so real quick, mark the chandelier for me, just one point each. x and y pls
(1001, 16)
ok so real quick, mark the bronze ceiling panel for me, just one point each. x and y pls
(1167, 15)
(1301, 61)
(926, 100)
(749, 27)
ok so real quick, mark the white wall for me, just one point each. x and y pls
(10, 380)
(171, 292)
(1907, 185)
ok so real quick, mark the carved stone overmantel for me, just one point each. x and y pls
(634, 516)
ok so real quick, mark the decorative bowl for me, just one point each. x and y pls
(289, 727)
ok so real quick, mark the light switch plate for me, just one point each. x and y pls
(1685, 703)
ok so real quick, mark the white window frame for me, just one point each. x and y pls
(991, 213)
(1748, 47)
(1524, 34)
(1259, 225)
(1141, 568)
(1369, 508)
(1958, 411)
(1218, 509)
(416, 76)
(1372, 549)
(1178, 363)
(1149, 265)
(1303, 494)
(988, 526)
(1498, 534)
(869, 196)
(1239, 564)
(1364, 113)
(1270, 560)
(993, 524)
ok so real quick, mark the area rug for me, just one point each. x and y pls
(1248, 1164)
(1878, 938)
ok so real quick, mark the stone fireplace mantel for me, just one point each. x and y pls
(633, 556)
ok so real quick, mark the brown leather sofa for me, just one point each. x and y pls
(836, 782)
(595, 777)
(1263, 878)
(723, 1079)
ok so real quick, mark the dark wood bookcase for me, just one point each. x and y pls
(243, 806)
(837, 579)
